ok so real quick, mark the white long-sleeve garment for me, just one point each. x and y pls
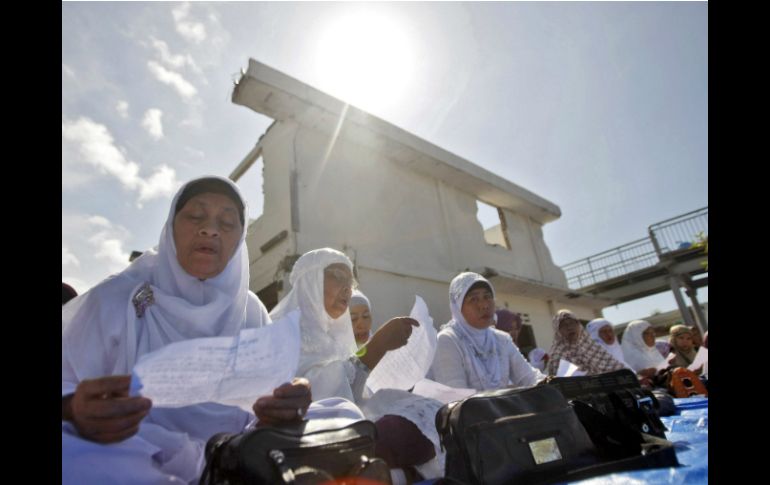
(452, 365)
(152, 303)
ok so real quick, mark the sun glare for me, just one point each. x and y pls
(364, 59)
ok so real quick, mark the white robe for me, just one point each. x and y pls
(103, 334)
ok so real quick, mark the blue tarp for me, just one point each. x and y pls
(689, 430)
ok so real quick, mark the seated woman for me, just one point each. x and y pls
(602, 333)
(195, 284)
(572, 343)
(682, 346)
(361, 316)
(639, 349)
(470, 353)
(322, 284)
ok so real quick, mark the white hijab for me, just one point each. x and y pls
(480, 345)
(326, 342)
(637, 353)
(537, 358)
(615, 350)
(104, 332)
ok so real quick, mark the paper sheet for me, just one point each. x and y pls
(440, 392)
(702, 357)
(403, 367)
(232, 370)
(568, 369)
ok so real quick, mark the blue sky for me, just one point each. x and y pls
(599, 107)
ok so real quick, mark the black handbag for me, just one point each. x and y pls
(309, 452)
(533, 435)
(618, 395)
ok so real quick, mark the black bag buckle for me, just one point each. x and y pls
(644, 403)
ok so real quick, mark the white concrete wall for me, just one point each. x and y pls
(406, 232)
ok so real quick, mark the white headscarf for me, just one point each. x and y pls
(593, 328)
(480, 344)
(176, 306)
(637, 353)
(357, 299)
(324, 340)
(537, 358)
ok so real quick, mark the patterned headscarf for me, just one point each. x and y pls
(673, 333)
(593, 328)
(589, 356)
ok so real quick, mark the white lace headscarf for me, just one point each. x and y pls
(324, 339)
(593, 328)
(480, 345)
(636, 352)
(175, 306)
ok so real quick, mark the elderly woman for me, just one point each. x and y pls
(602, 333)
(322, 285)
(194, 285)
(361, 316)
(572, 343)
(639, 349)
(472, 354)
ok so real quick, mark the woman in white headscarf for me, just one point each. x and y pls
(361, 317)
(572, 343)
(470, 353)
(322, 284)
(195, 284)
(602, 333)
(639, 349)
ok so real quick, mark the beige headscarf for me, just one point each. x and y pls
(682, 357)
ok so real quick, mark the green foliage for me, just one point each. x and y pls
(702, 241)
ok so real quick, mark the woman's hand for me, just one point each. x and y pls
(392, 335)
(289, 402)
(102, 411)
(649, 373)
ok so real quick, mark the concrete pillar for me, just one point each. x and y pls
(675, 284)
(700, 318)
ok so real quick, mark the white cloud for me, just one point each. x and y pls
(67, 258)
(108, 243)
(188, 28)
(96, 147)
(177, 61)
(173, 79)
(122, 109)
(68, 70)
(152, 123)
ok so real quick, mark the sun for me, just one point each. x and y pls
(365, 59)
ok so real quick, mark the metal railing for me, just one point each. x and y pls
(611, 264)
(666, 236)
(679, 232)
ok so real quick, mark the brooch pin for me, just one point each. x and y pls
(143, 299)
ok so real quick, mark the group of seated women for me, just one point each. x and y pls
(195, 284)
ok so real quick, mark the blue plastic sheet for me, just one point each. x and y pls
(689, 431)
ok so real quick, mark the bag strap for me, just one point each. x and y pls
(285, 471)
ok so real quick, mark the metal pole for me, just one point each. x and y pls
(673, 281)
